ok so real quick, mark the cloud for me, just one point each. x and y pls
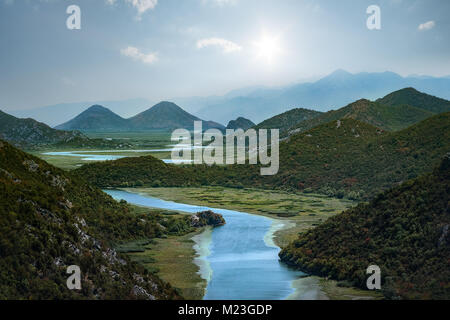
(136, 54)
(427, 26)
(226, 45)
(143, 5)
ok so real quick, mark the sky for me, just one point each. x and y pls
(158, 49)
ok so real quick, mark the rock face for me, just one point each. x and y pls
(207, 218)
(50, 220)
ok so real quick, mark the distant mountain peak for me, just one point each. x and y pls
(240, 123)
(97, 107)
(339, 72)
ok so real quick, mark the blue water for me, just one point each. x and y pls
(91, 156)
(244, 265)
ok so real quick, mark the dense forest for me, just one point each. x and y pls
(405, 231)
(50, 219)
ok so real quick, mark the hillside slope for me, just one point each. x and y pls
(96, 118)
(28, 132)
(341, 158)
(389, 118)
(405, 231)
(288, 119)
(167, 115)
(414, 98)
(162, 116)
(50, 219)
(240, 123)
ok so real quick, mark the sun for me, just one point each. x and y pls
(268, 48)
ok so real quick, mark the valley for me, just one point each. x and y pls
(330, 165)
(175, 260)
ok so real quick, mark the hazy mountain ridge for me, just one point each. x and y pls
(54, 115)
(162, 116)
(333, 91)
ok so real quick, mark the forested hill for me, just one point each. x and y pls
(288, 119)
(405, 231)
(341, 158)
(414, 98)
(50, 219)
(385, 117)
(396, 111)
(27, 133)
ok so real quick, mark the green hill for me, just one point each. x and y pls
(162, 116)
(353, 158)
(390, 118)
(167, 115)
(405, 231)
(96, 118)
(412, 97)
(341, 158)
(27, 133)
(240, 123)
(288, 119)
(135, 172)
(50, 219)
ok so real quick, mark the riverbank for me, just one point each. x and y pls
(174, 259)
(192, 280)
(300, 212)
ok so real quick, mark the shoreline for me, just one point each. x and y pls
(307, 287)
(202, 241)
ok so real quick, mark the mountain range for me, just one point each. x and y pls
(56, 114)
(260, 103)
(331, 92)
(162, 116)
(395, 111)
(342, 158)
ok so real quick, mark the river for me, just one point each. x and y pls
(239, 260)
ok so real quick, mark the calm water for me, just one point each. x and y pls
(243, 259)
(91, 156)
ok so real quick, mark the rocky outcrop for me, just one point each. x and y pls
(207, 218)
